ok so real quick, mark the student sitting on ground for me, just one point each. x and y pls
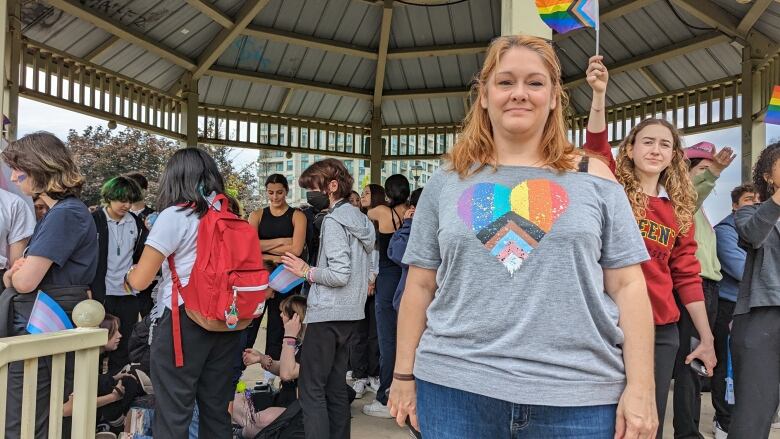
(293, 311)
(114, 392)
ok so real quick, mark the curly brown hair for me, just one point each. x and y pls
(675, 178)
(766, 161)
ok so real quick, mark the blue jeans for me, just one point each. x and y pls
(446, 413)
(386, 323)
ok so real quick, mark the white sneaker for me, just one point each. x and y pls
(360, 387)
(349, 375)
(719, 433)
(373, 384)
(377, 410)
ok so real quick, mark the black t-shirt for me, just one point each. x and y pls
(289, 391)
(68, 237)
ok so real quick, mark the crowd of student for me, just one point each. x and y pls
(536, 290)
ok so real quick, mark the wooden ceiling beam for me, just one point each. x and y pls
(76, 9)
(218, 45)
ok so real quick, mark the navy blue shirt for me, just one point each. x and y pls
(67, 236)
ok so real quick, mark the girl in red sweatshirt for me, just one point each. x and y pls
(651, 167)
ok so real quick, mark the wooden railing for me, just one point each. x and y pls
(55, 77)
(85, 343)
(709, 106)
(273, 131)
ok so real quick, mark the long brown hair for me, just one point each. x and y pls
(48, 163)
(675, 178)
(476, 146)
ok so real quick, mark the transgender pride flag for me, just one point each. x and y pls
(282, 281)
(47, 316)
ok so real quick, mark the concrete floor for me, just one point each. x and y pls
(366, 427)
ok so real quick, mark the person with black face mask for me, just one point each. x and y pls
(336, 301)
(318, 207)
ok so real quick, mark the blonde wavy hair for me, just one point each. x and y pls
(475, 144)
(675, 178)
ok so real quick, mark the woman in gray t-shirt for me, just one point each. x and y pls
(525, 310)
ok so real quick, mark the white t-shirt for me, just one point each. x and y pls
(175, 231)
(17, 222)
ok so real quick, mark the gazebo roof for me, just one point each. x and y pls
(334, 60)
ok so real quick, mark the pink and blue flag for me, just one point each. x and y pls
(282, 280)
(47, 316)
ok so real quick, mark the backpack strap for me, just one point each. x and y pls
(178, 355)
(583, 167)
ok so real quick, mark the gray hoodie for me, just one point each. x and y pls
(341, 276)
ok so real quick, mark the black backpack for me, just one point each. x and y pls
(289, 425)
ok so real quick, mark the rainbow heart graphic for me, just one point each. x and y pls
(510, 222)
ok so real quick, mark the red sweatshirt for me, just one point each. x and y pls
(673, 265)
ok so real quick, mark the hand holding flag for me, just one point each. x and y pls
(283, 280)
(567, 15)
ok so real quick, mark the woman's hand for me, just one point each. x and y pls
(266, 362)
(706, 353)
(403, 403)
(409, 213)
(597, 74)
(293, 326)
(251, 356)
(121, 375)
(722, 160)
(119, 391)
(294, 264)
(637, 416)
(14, 268)
(371, 288)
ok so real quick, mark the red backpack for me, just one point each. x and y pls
(228, 280)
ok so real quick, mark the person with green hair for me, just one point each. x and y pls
(121, 238)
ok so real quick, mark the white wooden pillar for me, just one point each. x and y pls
(521, 17)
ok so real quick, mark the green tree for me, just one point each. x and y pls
(239, 183)
(102, 154)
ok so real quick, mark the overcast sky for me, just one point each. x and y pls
(34, 116)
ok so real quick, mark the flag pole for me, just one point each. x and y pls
(598, 26)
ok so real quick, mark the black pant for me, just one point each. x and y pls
(322, 392)
(718, 389)
(126, 308)
(145, 302)
(114, 411)
(364, 352)
(667, 342)
(755, 355)
(387, 325)
(687, 383)
(274, 328)
(205, 376)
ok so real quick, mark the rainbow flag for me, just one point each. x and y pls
(47, 316)
(773, 112)
(282, 281)
(566, 15)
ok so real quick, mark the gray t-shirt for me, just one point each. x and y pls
(520, 313)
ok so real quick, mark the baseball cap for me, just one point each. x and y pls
(701, 150)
